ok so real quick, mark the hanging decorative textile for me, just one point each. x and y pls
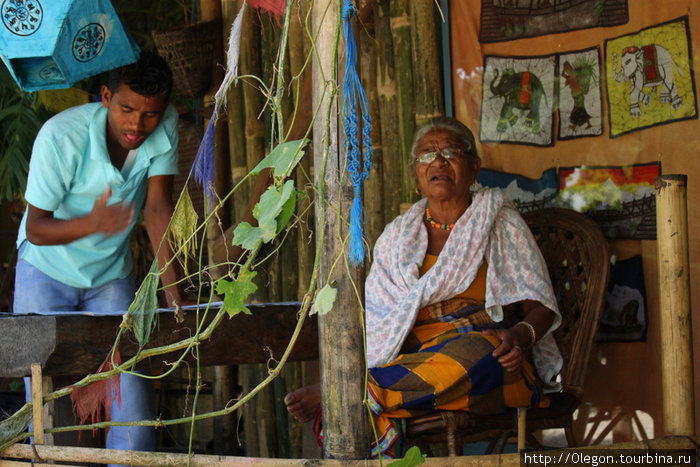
(49, 44)
(275, 7)
(354, 96)
(203, 166)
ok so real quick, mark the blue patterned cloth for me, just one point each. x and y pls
(49, 44)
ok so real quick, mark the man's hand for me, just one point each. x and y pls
(110, 219)
(44, 229)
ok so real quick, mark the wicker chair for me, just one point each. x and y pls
(577, 258)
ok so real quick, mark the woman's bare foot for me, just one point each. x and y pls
(304, 402)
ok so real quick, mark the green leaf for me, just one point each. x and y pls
(324, 300)
(287, 210)
(236, 292)
(247, 236)
(283, 158)
(183, 226)
(273, 211)
(272, 203)
(413, 457)
(144, 308)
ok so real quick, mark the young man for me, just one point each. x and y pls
(93, 169)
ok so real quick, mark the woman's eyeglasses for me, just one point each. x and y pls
(447, 154)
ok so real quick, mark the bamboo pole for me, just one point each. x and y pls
(38, 407)
(300, 127)
(299, 124)
(427, 79)
(674, 305)
(223, 375)
(253, 102)
(374, 186)
(345, 427)
(392, 151)
(210, 11)
(401, 35)
(236, 121)
(252, 97)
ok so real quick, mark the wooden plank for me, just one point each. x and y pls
(76, 344)
(154, 459)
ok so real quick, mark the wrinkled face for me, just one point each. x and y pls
(131, 117)
(445, 179)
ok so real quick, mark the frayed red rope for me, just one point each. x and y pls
(90, 402)
(275, 7)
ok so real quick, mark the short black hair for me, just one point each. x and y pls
(150, 75)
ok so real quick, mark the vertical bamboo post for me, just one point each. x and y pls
(236, 122)
(674, 305)
(253, 103)
(374, 186)
(223, 388)
(299, 128)
(403, 63)
(341, 346)
(521, 415)
(37, 404)
(427, 79)
(392, 154)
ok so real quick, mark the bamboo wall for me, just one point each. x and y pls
(401, 75)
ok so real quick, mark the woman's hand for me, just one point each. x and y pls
(508, 353)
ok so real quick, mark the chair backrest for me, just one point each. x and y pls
(576, 254)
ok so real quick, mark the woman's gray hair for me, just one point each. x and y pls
(452, 125)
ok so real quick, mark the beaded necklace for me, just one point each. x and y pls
(434, 224)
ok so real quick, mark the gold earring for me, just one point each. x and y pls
(418, 192)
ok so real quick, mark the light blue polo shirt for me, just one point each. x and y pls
(69, 170)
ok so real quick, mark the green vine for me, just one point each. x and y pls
(274, 213)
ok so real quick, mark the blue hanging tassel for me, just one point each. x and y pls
(203, 165)
(359, 170)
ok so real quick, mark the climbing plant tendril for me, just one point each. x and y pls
(274, 212)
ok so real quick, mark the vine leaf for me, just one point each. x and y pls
(412, 458)
(144, 308)
(183, 226)
(283, 158)
(324, 300)
(273, 211)
(236, 292)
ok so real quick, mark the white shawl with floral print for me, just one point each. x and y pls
(489, 229)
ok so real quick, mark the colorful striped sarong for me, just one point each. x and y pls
(446, 364)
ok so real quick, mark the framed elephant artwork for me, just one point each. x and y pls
(650, 77)
(518, 100)
(580, 96)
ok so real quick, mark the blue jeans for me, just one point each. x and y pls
(35, 292)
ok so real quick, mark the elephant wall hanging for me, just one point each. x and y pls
(518, 100)
(650, 77)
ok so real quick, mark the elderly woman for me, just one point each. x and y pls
(457, 297)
